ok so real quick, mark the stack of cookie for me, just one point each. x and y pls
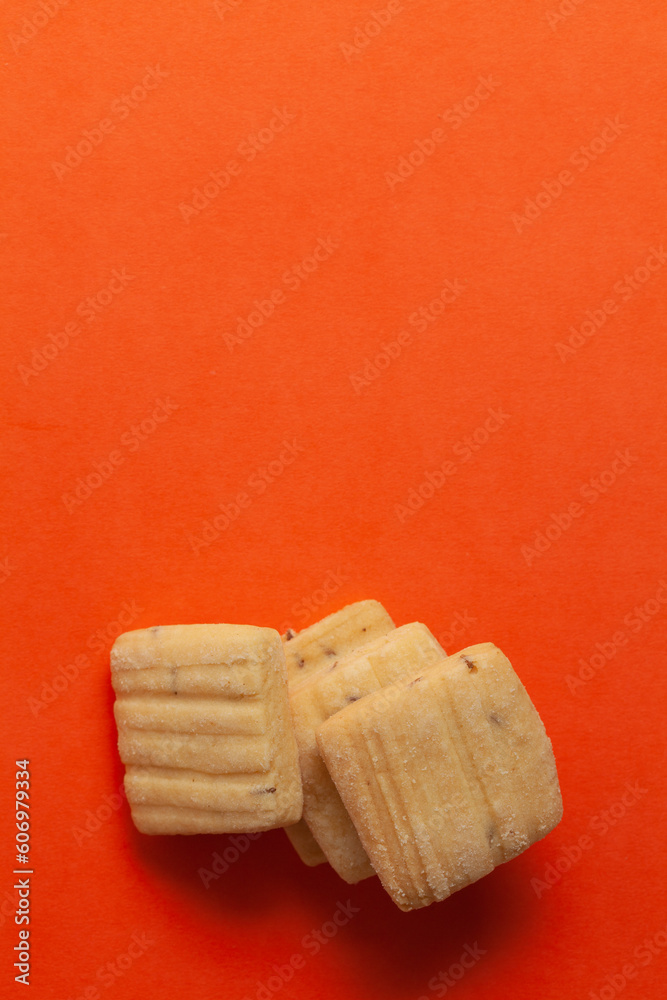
(374, 749)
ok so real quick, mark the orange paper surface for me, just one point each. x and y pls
(307, 304)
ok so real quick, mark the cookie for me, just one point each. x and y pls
(401, 653)
(444, 775)
(334, 636)
(205, 730)
(305, 844)
(316, 647)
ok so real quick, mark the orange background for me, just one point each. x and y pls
(79, 377)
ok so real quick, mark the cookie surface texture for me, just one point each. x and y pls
(445, 775)
(401, 653)
(205, 730)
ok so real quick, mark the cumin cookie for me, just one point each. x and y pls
(445, 775)
(205, 730)
(402, 653)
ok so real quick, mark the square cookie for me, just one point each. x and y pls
(445, 775)
(403, 652)
(318, 646)
(334, 636)
(205, 730)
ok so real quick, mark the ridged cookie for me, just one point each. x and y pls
(445, 775)
(402, 653)
(334, 636)
(318, 646)
(204, 729)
